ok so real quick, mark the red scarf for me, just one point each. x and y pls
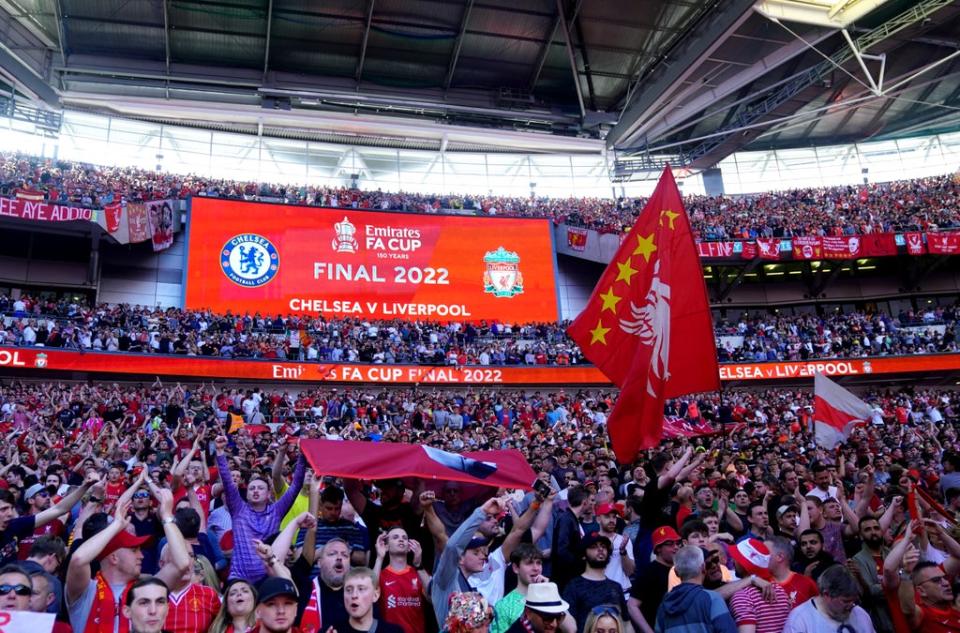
(105, 609)
(312, 619)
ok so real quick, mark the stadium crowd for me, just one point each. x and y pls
(908, 205)
(183, 508)
(30, 321)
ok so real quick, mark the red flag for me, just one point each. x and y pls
(768, 248)
(836, 412)
(914, 243)
(647, 325)
(383, 460)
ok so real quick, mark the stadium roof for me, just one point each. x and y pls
(694, 80)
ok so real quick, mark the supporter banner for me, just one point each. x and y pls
(382, 460)
(160, 219)
(878, 245)
(138, 225)
(26, 622)
(26, 209)
(716, 250)
(914, 243)
(807, 248)
(847, 247)
(768, 248)
(281, 259)
(749, 250)
(48, 359)
(943, 243)
(577, 238)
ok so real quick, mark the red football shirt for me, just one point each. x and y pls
(799, 589)
(401, 599)
(111, 494)
(203, 496)
(54, 528)
(192, 610)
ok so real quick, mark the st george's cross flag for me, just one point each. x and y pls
(836, 412)
(647, 325)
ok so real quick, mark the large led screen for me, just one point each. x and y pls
(283, 259)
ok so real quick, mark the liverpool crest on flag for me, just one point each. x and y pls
(647, 325)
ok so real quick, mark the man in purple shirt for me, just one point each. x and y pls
(256, 518)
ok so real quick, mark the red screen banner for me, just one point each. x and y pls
(46, 359)
(285, 259)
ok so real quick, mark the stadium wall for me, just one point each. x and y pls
(137, 275)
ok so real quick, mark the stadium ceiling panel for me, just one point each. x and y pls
(691, 79)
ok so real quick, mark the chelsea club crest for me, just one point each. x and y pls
(249, 260)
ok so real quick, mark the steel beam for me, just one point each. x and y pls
(358, 73)
(662, 121)
(788, 91)
(62, 29)
(565, 29)
(266, 44)
(586, 64)
(706, 38)
(457, 45)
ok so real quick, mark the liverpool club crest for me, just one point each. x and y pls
(40, 361)
(502, 276)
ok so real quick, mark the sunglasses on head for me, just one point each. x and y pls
(605, 609)
(20, 590)
(141, 494)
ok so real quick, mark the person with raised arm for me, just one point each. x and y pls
(256, 518)
(94, 601)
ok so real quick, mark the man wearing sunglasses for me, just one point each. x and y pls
(16, 588)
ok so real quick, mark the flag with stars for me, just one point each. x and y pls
(647, 325)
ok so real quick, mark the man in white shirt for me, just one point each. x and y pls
(835, 609)
(823, 489)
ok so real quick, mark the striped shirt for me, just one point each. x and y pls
(749, 607)
(192, 610)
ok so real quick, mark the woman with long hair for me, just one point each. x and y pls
(604, 619)
(238, 609)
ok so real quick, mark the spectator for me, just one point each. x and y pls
(650, 583)
(748, 605)
(256, 518)
(543, 611)
(689, 607)
(360, 591)
(835, 609)
(118, 552)
(592, 588)
(403, 588)
(146, 604)
(237, 610)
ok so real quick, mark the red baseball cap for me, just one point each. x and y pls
(607, 508)
(123, 540)
(663, 534)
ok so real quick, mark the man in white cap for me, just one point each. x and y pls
(543, 611)
(752, 613)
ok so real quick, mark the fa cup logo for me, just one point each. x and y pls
(344, 242)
